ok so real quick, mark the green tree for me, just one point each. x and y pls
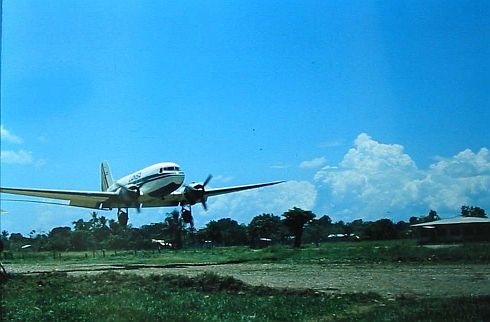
(82, 240)
(431, 216)
(137, 239)
(467, 211)
(5, 239)
(226, 232)
(80, 224)
(154, 231)
(175, 226)
(266, 226)
(383, 229)
(295, 220)
(115, 227)
(101, 234)
(41, 242)
(16, 241)
(357, 227)
(403, 229)
(119, 241)
(317, 230)
(97, 227)
(59, 238)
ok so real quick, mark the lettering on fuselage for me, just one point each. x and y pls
(135, 177)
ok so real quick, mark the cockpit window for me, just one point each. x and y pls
(171, 169)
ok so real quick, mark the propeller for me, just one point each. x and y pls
(130, 195)
(197, 193)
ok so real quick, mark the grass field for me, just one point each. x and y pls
(111, 296)
(208, 297)
(344, 252)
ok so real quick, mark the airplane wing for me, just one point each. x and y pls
(177, 198)
(222, 191)
(85, 199)
(106, 199)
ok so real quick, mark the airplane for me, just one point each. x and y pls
(158, 185)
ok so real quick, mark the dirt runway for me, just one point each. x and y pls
(386, 279)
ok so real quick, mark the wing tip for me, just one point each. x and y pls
(274, 182)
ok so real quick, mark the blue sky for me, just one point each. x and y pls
(368, 109)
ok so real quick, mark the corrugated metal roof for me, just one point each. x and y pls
(455, 220)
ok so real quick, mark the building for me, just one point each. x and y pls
(454, 230)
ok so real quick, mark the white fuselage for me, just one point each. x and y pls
(154, 181)
(159, 185)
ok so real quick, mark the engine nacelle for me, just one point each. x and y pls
(195, 192)
(192, 194)
(130, 194)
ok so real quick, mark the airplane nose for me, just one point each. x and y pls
(180, 178)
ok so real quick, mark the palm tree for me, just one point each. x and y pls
(174, 227)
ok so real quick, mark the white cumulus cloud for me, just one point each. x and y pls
(462, 179)
(7, 136)
(375, 178)
(21, 157)
(315, 163)
(16, 157)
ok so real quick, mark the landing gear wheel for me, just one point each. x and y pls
(122, 217)
(186, 214)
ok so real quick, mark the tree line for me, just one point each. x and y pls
(295, 226)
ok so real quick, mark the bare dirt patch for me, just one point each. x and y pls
(386, 279)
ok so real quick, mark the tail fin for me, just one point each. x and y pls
(105, 176)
